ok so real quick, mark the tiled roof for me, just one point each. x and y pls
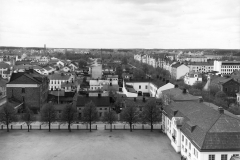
(178, 95)
(219, 80)
(210, 63)
(176, 65)
(212, 130)
(98, 101)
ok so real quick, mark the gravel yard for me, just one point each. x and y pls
(81, 144)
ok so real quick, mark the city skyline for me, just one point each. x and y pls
(166, 24)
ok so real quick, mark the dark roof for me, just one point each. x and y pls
(176, 65)
(4, 65)
(33, 77)
(98, 101)
(178, 95)
(212, 130)
(3, 82)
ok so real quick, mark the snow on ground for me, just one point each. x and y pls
(83, 145)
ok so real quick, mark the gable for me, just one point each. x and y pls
(23, 80)
(231, 83)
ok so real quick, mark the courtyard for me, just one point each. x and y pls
(81, 144)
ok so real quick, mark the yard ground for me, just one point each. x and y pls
(83, 145)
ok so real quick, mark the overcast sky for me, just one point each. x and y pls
(121, 23)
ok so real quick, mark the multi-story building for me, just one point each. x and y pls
(28, 87)
(203, 67)
(189, 58)
(179, 71)
(199, 132)
(226, 67)
(56, 80)
(102, 103)
(192, 78)
(4, 67)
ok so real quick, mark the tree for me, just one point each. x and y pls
(82, 63)
(213, 89)
(124, 60)
(198, 85)
(28, 116)
(48, 114)
(151, 113)
(195, 92)
(145, 68)
(69, 115)
(138, 74)
(119, 71)
(7, 115)
(221, 95)
(130, 114)
(110, 117)
(90, 114)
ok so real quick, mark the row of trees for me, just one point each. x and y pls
(131, 114)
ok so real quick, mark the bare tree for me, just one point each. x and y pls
(48, 114)
(7, 115)
(130, 114)
(90, 114)
(69, 115)
(28, 116)
(110, 117)
(151, 113)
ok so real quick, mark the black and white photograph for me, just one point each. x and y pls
(119, 79)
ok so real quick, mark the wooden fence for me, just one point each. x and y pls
(134, 127)
(46, 127)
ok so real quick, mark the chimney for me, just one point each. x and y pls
(200, 100)
(87, 95)
(99, 95)
(135, 99)
(167, 81)
(221, 110)
(184, 91)
(144, 100)
(176, 86)
(163, 79)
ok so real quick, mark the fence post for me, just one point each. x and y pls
(87, 127)
(114, 127)
(124, 127)
(77, 127)
(105, 127)
(40, 127)
(30, 127)
(96, 127)
(142, 127)
(133, 127)
(2, 127)
(11, 126)
(21, 127)
(59, 127)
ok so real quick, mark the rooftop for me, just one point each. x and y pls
(98, 101)
(177, 95)
(56, 76)
(211, 130)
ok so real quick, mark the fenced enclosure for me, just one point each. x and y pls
(134, 127)
(46, 127)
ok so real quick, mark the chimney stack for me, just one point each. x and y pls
(176, 86)
(184, 91)
(221, 110)
(99, 95)
(167, 81)
(144, 100)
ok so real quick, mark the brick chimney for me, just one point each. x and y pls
(221, 110)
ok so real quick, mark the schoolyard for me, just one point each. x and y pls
(83, 145)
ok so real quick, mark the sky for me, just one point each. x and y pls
(166, 24)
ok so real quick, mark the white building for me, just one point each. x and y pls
(226, 67)
(144, 87)
(164, 87)
(179, 71)
(202, 67)
(192, 78)
(56, 80)
(199, 132)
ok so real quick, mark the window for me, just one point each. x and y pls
(211, 157)
(235, 155)
(100, 108)
(100, 114)
(185, 150)
(224, 157)
(190, 145)
(183, 138)
(195, 153)
(23, 90)
(139, 86)
(105, 108)
(186, 142)
(146, 87)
